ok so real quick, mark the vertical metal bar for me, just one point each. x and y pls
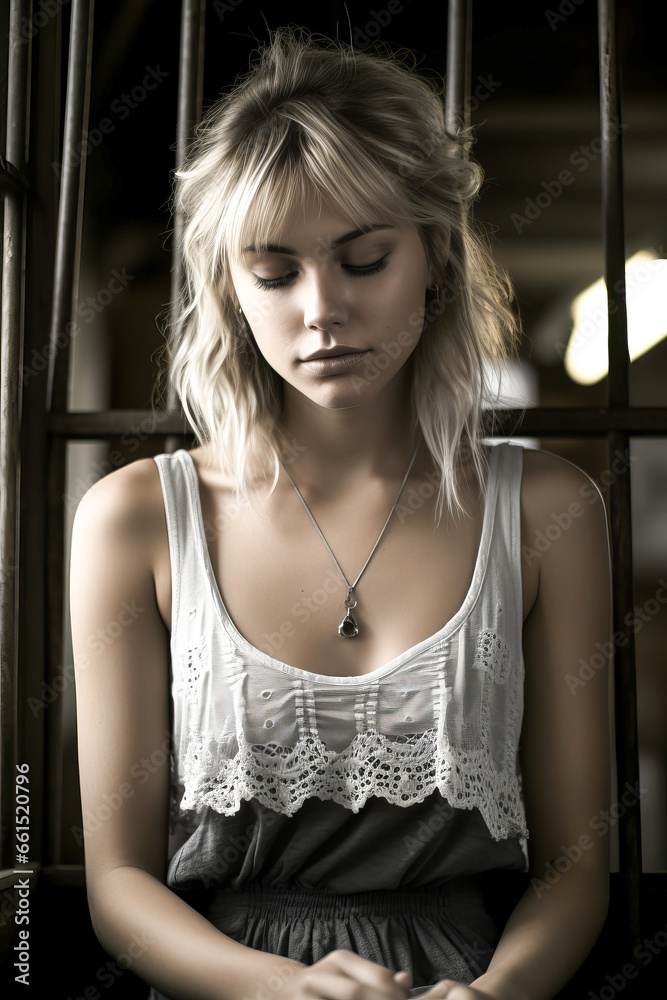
(459, 46)
(190, 93)
(10, 408)
(65, 295)
(627, 744)
(44, 122)
(70, 209)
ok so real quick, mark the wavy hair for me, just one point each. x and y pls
(364, 132)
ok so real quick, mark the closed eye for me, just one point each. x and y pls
(359, 271)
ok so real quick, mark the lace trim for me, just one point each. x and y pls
(492, 655)
(404, 771)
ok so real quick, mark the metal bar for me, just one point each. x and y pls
(70, 209)
(553, 421)
(11, 179)
(44, 122)
(612, 204)
(10, 409)
(190, 95)
(627, 741)
(459, 45)
(65, 294)
(625, 680)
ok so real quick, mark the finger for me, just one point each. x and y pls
(337, 986)
(404, 979)
(446, 989)
(370, 974)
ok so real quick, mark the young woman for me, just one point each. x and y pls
(368, 704)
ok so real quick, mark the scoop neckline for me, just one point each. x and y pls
(442, 634)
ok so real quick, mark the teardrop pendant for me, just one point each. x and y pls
(348, 628)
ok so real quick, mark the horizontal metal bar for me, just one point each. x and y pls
(64, 875)
(582, 421)
(548, 421)
(112, 423)
(9, 877)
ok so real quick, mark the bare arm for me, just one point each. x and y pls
(121, 658)
(564, 744)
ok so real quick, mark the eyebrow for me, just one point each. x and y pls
(353, 235)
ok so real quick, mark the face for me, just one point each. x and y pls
(335, 312)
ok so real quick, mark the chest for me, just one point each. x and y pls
(285, 594)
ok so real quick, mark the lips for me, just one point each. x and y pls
(334, 364)
(334, 352)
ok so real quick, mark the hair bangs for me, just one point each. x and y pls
(305, 175)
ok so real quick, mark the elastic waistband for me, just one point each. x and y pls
(296, 900)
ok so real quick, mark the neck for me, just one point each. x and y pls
(332, 450)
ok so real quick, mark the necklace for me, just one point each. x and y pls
(349, 627)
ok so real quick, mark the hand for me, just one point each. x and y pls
(449, 989)
(332, 976)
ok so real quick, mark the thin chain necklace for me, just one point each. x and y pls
(349, 627)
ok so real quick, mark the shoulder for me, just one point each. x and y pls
(555, 491)
(565, 530)
(129, 499)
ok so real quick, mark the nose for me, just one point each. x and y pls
(324, 307)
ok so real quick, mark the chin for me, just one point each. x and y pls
(341, 400)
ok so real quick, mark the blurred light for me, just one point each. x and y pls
(513, 385)
(586, 355)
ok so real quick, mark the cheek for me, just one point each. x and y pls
(271, 337)
(403, 298)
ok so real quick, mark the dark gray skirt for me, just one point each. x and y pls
(434, 933)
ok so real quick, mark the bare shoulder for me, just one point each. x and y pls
(553, 488)
(131, 497)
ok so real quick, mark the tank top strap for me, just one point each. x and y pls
(180, 505)
(506, 542)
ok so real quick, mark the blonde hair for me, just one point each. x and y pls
(364, 132)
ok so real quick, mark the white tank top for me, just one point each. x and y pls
(445, 714)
